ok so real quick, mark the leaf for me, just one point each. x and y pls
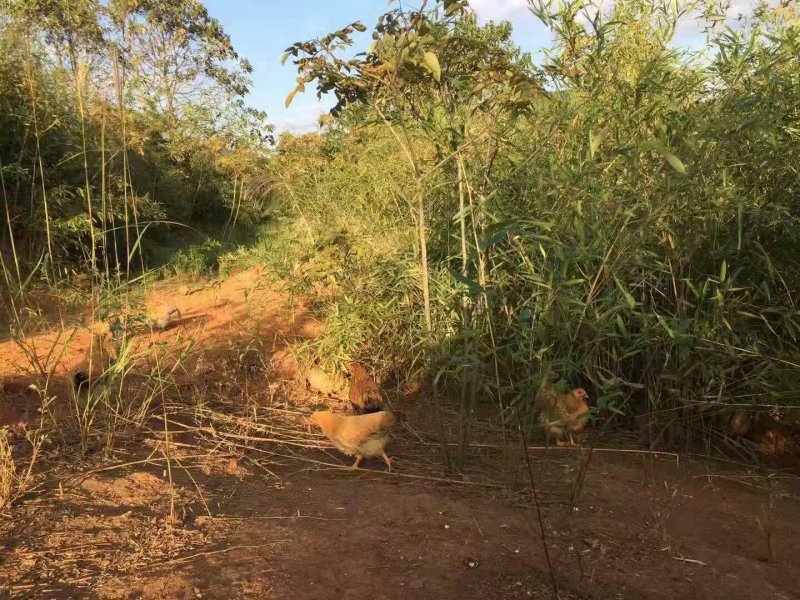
(452, 9)
(290, 97)
(285, 57)
(665, 325)
(358, 26)
(497, 237)
(594, 143)
(621, 325)
(670, 157)
(431, 62)
(628, 298)
(473, 286)
(138, 241)
(723, 271)
(675, 163)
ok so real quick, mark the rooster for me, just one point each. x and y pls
(562, 414)
(365, 396)
(362, 436)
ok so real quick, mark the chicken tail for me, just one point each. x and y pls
(371, 403)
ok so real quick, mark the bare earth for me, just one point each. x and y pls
(291, 523)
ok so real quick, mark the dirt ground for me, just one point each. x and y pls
(290, 522)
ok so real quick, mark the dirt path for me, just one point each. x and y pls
(213, 313)
(278, 523)
(637, 531)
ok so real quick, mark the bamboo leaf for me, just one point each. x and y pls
(473, 286)
(675, 163)
(666, 326)
(290, 97)
(670, 157)
(431, 62)
(621, 325)
(628, 298)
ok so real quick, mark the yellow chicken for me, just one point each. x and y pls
(562, 414)
(362, 436)
(161, 319)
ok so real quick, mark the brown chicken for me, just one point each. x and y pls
(362, 436)
(758, 428)
(365, 396)
(562, 414)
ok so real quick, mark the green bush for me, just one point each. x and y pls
(631, 228)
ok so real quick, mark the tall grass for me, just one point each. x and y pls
(96, 180)
(633, 232)
(630, 227)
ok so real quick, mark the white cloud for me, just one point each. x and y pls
(690, 26)
(302, 115)
(499, 10)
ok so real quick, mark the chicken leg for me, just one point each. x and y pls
(569, 442)
(354, 466)
(388, 461)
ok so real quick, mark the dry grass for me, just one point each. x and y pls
(16, 475)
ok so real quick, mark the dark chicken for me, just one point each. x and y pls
(365, 396)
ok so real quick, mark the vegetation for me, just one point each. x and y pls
(121, 122)
(623, 217)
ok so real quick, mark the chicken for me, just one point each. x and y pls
(365, 396)
(84, 384)
(362, 436)
(771, 441)
(562, 414)
(80, 382)
(162, 318)
(759, 429)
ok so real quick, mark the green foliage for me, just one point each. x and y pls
(138, 125)
(197, 259)
(624, 217)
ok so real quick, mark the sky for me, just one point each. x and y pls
(262, 29)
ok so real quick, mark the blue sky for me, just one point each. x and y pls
(262, 29)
